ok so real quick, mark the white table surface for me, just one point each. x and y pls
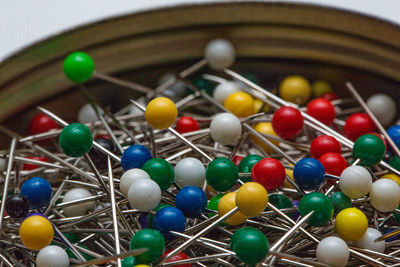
(23, 22)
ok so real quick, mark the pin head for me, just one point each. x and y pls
(41, 123)
(226, 204)
(150, 239)
(333, 163)
(38, 192)
(144, 194)
(287, 122)
(222, 174)
(169, 219)
(333, 251)
(190, 171)
(340, 201)
(52, 256)
(383, 107)
(191, 200)
(161, 171)
(393, 177)
(161, 113)
(330, 96)
(77, 209)
(220, 54)
(134, 157)
(75, 140)
(370, 149)
(322, 110)
(240, 103)
(351, 224)
(295, 89)
(323, 144)
(269, 172)
(394, 133)
(251, 199)
(384, 195)
(99, 159)
(246, 165)
(265, 128)
(78, 67)
(17, 206)
(36, 232)
(367, 241)
(281, 202)
(309, 173)
(225, 89)
(250, 245)
(178, 257)
(128, 177)
(31, 166)
(186, 124)
(150, 216)
(213, 204)
(129, 262)
(320, 87)
(225, 128)
(355, 181)
(357, 125)
(320, 204)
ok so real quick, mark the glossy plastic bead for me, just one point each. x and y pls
(333, 163)
(323, 144)
(370, 149)
(213, 203)
(41, 123)
(265, 128)
(190, 171)
(169, 219)
(222, 174)
(280, 201)
(246, 165)
(226, 204)
(128, 177)
(134, 157)
(269, 172)
(394, 133)
(355, 181)
(219, 53)
(191, 200)
(320, 204)
(36, 232)
(367, 241)
(150, 239)
(52, 256)
(75, 140)
(287, 122)
(295, 89)
(77, 209)
(150, 216)
(161, 171)
(384, 195)
(395, 162)
(320, 87)
(250, 245)
(240, 103)
(78, 67)
(322, 110)
(309, 174)
(357, 125)
(128, 262)
(87, 113)
(178, 257)
(225, 128)
(330, 96)
(17, 206)
(144, 194)
(225, 89)
(186, 124)
(251, 199)
(100, 159)
(205, 85)
(31, 166)
(237, 159)
(161, 113)
(333, 251)
(383, 107)
(392, 176)
(340, 201)
(351, 224)
(38, 192)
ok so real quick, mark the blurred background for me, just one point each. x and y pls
(25, 22)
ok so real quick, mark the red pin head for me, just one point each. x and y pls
(323, 144)
(357, 125)
(322, 110)
(287, 122)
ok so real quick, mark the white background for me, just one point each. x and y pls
(23, 22)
